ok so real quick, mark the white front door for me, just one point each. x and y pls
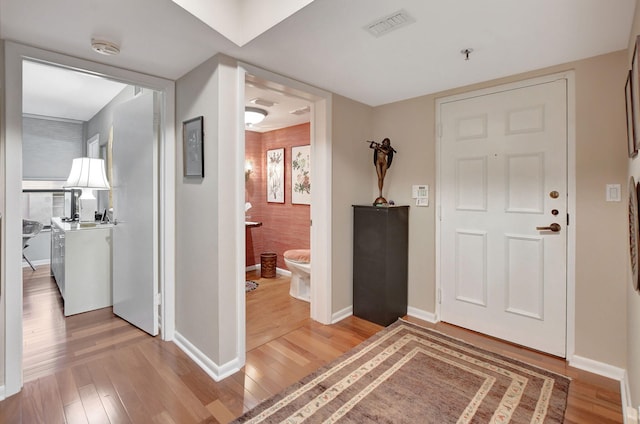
(503, 184)
(135, 201)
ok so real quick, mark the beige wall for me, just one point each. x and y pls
(601, 257)
(410, 127)
(350, 185)
(633, 297)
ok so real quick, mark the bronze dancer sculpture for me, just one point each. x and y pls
(382, 158)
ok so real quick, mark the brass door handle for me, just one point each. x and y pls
(553, 227)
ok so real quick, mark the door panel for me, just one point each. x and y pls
(501, 157)
(135, 170)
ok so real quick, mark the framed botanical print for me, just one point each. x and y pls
(301, 175)
(275, 175)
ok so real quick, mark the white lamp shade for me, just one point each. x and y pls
(88, 173)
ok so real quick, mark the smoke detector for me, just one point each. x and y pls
(104, 47)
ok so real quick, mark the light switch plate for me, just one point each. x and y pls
(613, 193)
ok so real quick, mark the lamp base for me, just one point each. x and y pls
(88, 205)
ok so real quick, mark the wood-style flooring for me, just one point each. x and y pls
(95, 368)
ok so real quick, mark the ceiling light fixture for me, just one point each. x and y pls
(254, 115)
(104, 47)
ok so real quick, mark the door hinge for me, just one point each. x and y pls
(439, 129)
(567, 220)
(439, 296)
(158, 299)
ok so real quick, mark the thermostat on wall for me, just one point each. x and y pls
(421, 194)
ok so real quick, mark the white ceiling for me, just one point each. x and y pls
(324, 43)
(62, 93)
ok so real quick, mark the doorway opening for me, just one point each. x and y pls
(15, 59)
(277, 212)
(319, 103)
(61, 109)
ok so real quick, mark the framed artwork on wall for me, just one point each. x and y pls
(301, 175)
(193, 145)
(631, 129)
(275, 175)
(635, 94)
(633, 231)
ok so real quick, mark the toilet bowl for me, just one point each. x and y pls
(298, 261)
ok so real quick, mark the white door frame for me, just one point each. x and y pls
(320, 195)
(11, 263)
(569, 76)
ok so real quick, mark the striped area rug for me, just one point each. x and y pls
(410, 374)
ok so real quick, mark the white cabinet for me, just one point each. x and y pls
(81, 265)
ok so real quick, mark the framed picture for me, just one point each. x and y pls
(633, 231)
(192, 139)
(631, 129)
(301, 175)
(275, 175)
(635, 94)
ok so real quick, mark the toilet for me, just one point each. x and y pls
(298, 261)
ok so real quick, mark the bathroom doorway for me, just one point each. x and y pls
(277, 210)
(319, 103)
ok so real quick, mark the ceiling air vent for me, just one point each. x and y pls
(388, 23)
(300, 111)
(262, 102)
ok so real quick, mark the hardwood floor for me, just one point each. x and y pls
(95, 368)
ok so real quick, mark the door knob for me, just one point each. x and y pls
(555, 227)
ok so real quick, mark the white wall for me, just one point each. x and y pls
(209, 216)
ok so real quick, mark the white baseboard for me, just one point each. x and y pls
(423, 315)
(414, 312)
(629, 412)
(342, 314)
(215, 371)
(258, 267)
(284, 272)
(3, 393)
(599, 368)
(36, 263)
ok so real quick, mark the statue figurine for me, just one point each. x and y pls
(382, 158)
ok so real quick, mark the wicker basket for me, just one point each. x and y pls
(268, 265)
